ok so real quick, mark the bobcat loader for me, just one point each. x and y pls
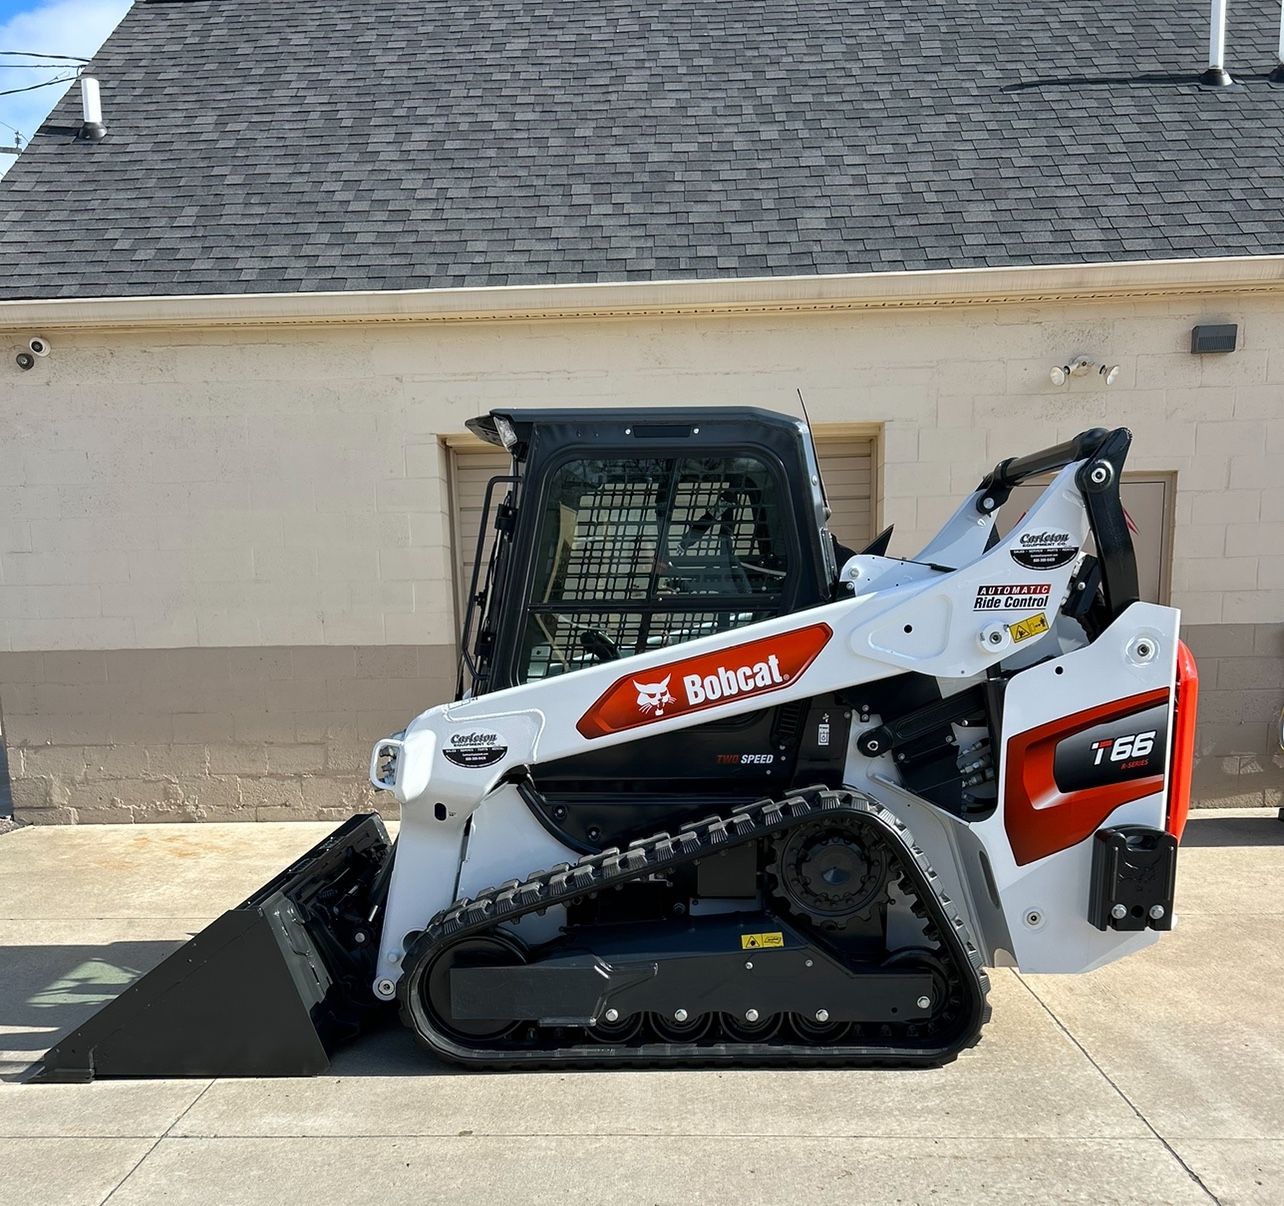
(714, 789)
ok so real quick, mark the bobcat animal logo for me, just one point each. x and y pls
(654, 697)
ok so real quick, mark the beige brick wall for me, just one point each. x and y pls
(1241, 689)
(234, 489)
(285, 486)
(208, 734)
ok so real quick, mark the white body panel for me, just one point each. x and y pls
(1055, 889)
(902, 616)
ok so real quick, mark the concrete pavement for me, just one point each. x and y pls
(1159, 1079)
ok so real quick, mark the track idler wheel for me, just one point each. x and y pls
(816, 1032)
(745, 1031)
(617, 1033)
(671, 1028)
(429, 997)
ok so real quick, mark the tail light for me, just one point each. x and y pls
(1182, 762)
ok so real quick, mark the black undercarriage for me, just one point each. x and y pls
(787, 931)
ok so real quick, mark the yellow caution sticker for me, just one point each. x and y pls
(1031, 626)
(758, 942)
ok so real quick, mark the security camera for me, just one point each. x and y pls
(39, 345)
(1059, 374)
(25, 361)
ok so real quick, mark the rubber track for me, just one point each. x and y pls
(566, 883)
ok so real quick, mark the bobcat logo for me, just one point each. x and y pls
(653, 697)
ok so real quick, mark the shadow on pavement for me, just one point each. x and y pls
(1204, 832)
(47, 991)
(389, 1050)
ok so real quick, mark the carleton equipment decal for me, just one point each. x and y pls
(474, 750)
(1045, 550)
(704, 681)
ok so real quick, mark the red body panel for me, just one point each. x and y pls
(693, 684)
(1040, 818)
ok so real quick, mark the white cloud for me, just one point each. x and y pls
(74, 27)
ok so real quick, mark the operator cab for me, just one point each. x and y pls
(617, 534)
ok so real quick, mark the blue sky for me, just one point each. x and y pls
(76, 27)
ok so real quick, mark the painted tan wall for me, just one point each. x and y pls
(287, 486)
(233, 489)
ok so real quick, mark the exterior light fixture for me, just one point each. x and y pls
(1214, 337)
(1078, 366)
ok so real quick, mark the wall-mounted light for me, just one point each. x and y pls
(1080, 365)
(1213, 337)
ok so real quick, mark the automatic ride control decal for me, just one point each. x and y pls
(704, 681)
(1012, 596)
(473, 750)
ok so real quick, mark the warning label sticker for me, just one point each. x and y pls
(1031, 626)
(757, 942)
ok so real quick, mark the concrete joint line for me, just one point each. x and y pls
(168, 1132)
(1060, 1025)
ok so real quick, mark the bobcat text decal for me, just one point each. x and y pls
(695, 683)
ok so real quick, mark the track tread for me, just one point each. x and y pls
(564, 883)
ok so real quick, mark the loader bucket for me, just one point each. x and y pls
(269, 989)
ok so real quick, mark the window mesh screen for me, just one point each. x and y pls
(558, 642)
(637, 555)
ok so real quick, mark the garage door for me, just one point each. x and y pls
(848, 469)
(471, 469)
(847, 465)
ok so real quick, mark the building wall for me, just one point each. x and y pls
(225, 563)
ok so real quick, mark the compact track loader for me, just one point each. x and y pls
(716, 789)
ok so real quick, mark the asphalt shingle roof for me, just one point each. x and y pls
(315, 145)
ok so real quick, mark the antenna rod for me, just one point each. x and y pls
(815, 456)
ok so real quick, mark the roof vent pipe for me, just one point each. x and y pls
(1277, 76)
(91, 109)
(1217, 76)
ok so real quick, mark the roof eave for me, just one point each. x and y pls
(729, 295)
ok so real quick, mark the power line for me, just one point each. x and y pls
(29, 54)
(66, 79)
